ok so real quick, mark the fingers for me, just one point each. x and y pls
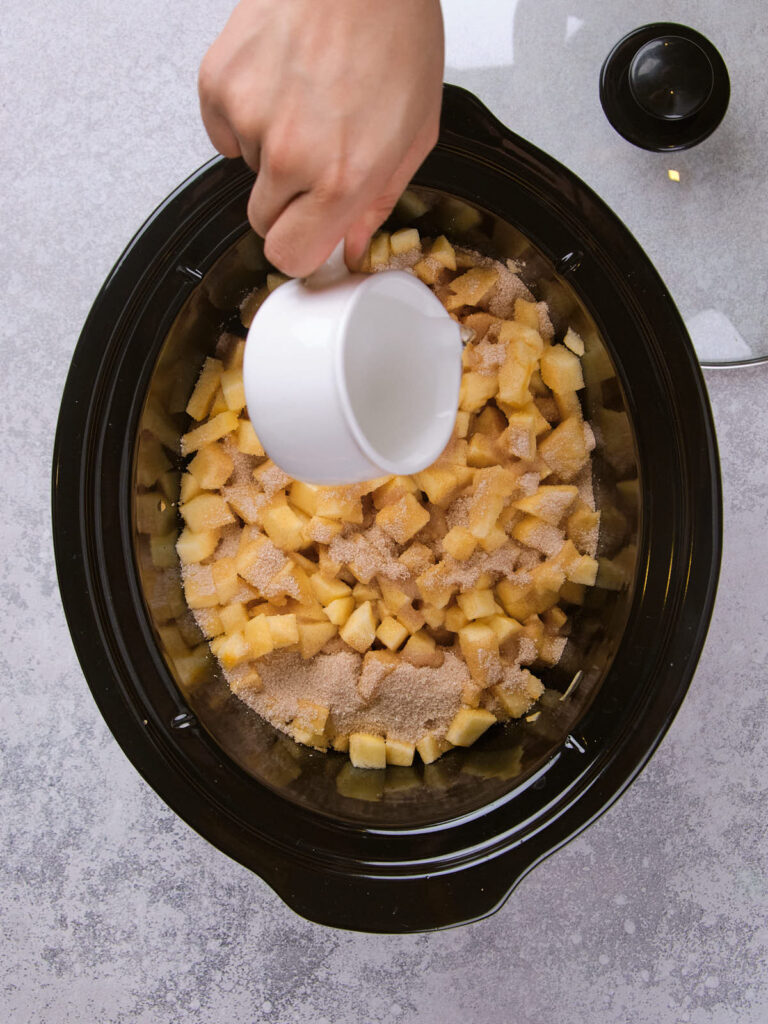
(359, 233)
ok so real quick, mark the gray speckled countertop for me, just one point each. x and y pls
(111, 908)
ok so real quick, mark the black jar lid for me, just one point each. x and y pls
(664, 87)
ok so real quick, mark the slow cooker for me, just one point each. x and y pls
(407, 849)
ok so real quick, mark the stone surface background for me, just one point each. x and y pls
(111, 909)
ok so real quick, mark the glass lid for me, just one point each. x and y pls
(695, 198)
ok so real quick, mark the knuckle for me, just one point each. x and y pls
(336, 183)
(282, 254)
(208, 78)
(282, 157)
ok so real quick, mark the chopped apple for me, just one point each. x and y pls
(359, 631)
(404, 240)
(431, 746)
(476, 389)
(207, 385)
(367, 750)
(399, 752)
(339, 611)
(234, 617)
(468, 725)
(422, 651)
(480, 648)
(232, 389)
(221, 425)
(259, 636)
(478, 604)
(247, 441)
(284, 528)
(403, 519)
(194, 547)
(211, 467)
(391, 633)
(459, 543)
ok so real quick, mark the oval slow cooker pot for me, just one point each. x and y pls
(410, 848)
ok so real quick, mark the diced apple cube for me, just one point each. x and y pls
(480, 649)
(422, 651)
(189, 488)
(417, 558)
(519, 439)
(439, 484)
(194, 547)
(234, 617)
(494, 539)
(322, 530)
(549, 503)
(481, 451)
(461, 426)
(391, 633)
(573, 341)
(539, 535)
(471, 288)
(198, 587)
(561, 369)
(515, 374)
(582, 526)
(515, 332)
(433, 588)
(247, 441)
(359, 631)
(399, 752)
(232, 389)
(365, 592)
(585, 571)
(259, 636)
(429, 271)
(516, 598)
(339, 503)
(459, 543)
(468, 725)
(476, 389)
(206, 512)
(527, 313)
(404, 240)
(411, 618)
(434, 617)
(477, 604)
(455, 619)
(211, 467)
(392, 490)
(339, 611)
(233, 650)
(565, 450)
(442, 251)
(504, 627)
(431, 746)
(367, 751)
(224, 574)
(221, 425)
(311, 716)
(207, 385)
(327, 590)
(403, 519)
(379, 250)
(304, 497)
(283, 629)
(284, 528)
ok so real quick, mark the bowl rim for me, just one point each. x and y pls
(478, 875)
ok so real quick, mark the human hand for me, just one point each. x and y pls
(335, 103)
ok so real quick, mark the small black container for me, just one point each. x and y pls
(406, 849)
